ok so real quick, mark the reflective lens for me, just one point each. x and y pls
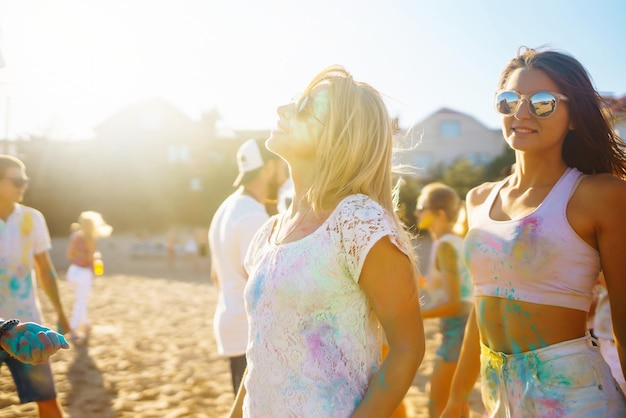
(301, 107)
(541, 104)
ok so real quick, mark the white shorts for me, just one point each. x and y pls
(568, 379)
(610, 355)
(77, 274)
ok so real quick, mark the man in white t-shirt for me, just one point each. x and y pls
(234, 224)
(24, 246)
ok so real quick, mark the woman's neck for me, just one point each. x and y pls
(438, 231)
(531, 172)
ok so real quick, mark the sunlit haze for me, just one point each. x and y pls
(69, 65)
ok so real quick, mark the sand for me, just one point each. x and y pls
(151, 352)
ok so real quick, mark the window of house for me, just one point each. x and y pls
(177, 153)
(195, 184)
(450, 128)
(421, 160)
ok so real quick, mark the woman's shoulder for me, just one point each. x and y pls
(359, 206)
(603, 189)
(603, 182)
(478, 194)
(77, 236)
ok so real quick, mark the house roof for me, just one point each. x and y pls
(448, 112)
(617, 105)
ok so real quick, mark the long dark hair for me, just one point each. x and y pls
(592, 146)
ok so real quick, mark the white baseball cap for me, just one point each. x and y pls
(249, 159)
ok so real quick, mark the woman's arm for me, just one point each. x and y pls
(72, 251)
(388, 279)
(610, 207)
(467, 371)
(237, 409)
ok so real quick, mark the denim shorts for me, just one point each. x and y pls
(568, 379)
(452, 330)
(33, 383)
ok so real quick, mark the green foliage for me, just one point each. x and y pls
(500, 166)
(133, 189)
(462, 175)
(408, 191)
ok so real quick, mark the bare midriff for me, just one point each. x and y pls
(512, 326)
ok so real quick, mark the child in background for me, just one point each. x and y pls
(448, 284)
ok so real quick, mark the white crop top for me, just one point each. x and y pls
(538, 258)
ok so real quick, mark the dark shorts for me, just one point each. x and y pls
(33, 383)
(453, 330)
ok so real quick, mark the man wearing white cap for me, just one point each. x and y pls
(233, 226)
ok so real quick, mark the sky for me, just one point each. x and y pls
(69, 65)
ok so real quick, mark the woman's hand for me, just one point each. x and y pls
(32, 343)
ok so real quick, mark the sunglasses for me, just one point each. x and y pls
(18, 182)
(421, 208)
(302, 106)
(541, 104)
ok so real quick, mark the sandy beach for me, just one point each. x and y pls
(151, 351)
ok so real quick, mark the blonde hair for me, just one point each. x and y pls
(93, 225)
(354, 150)
(438, 196)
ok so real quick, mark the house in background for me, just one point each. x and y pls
(444, 137)
(618, 110)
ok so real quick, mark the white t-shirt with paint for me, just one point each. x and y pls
(22, 236)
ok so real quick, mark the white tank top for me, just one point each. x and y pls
(538, 258)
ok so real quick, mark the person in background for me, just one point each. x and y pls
(603, 331)
(536, 243)
(24, 257)
(233, 225)
(327, 273)
(82, 252)
(448, 284)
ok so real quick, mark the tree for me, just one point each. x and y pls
(462, 175)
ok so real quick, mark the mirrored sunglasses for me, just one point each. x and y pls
(541, 104)
(302, 106)
(18, 182)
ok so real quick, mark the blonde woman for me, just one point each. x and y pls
(81, 252)
(326, 274)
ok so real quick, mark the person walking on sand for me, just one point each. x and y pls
(24, 246)
(82, 252)
(234, 224)
(326, 274)
(448, 284)
(536, 243)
